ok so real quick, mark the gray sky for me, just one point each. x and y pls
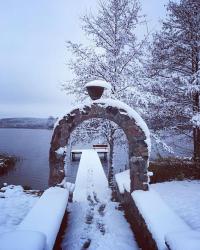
(33, 55)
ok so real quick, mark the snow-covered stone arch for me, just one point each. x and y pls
(129, 120)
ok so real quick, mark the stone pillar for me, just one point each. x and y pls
(138, 174)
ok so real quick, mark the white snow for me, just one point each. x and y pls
(98, 150)
(95, 219)
(159, 217)
(120, 105)
(14, 205)
(131, 113)
(183, 240)
(123, 181)
(184, 198)
(90, 172)
(98, 83)
(68, 185)
(61, 150)
(117, 236)
(46, 216)
(22, 240)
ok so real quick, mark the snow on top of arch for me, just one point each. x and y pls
(130, 112)
(99, 83)
(120, 105)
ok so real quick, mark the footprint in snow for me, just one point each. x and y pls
(91, 202)
(89, 218)
(101, 209)
(95, 197)
(101, 227)
(86, 244)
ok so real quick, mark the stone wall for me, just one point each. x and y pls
(174, 169)
(138, 224)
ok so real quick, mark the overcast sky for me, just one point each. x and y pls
(33, 55)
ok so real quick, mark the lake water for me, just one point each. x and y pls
(32, 147)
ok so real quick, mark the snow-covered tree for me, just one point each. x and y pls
(114, 53)
(174, 66)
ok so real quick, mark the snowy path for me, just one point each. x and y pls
(94, 220)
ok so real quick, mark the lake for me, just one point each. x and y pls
(32, 147)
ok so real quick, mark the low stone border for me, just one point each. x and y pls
(173, 169)
(138, 225)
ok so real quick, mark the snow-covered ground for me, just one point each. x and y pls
(90, 178)
(14, 205)
(184, 198)
(164, 214)
(94, 220)
(99, 224)
(123, 181)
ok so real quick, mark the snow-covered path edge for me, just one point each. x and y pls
(95, 220)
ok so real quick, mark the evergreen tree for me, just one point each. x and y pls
(174, 66)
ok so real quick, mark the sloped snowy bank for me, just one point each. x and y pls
(184, 198)
(15, 203)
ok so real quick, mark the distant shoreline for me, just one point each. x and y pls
(27, 128)
(28, 123)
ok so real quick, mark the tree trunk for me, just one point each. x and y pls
(196, 108)
(110, 163)
(111, 144)
(111, 171)
(196, 142)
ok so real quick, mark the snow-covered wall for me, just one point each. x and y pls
(46, 216)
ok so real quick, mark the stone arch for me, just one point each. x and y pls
(132, 124)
